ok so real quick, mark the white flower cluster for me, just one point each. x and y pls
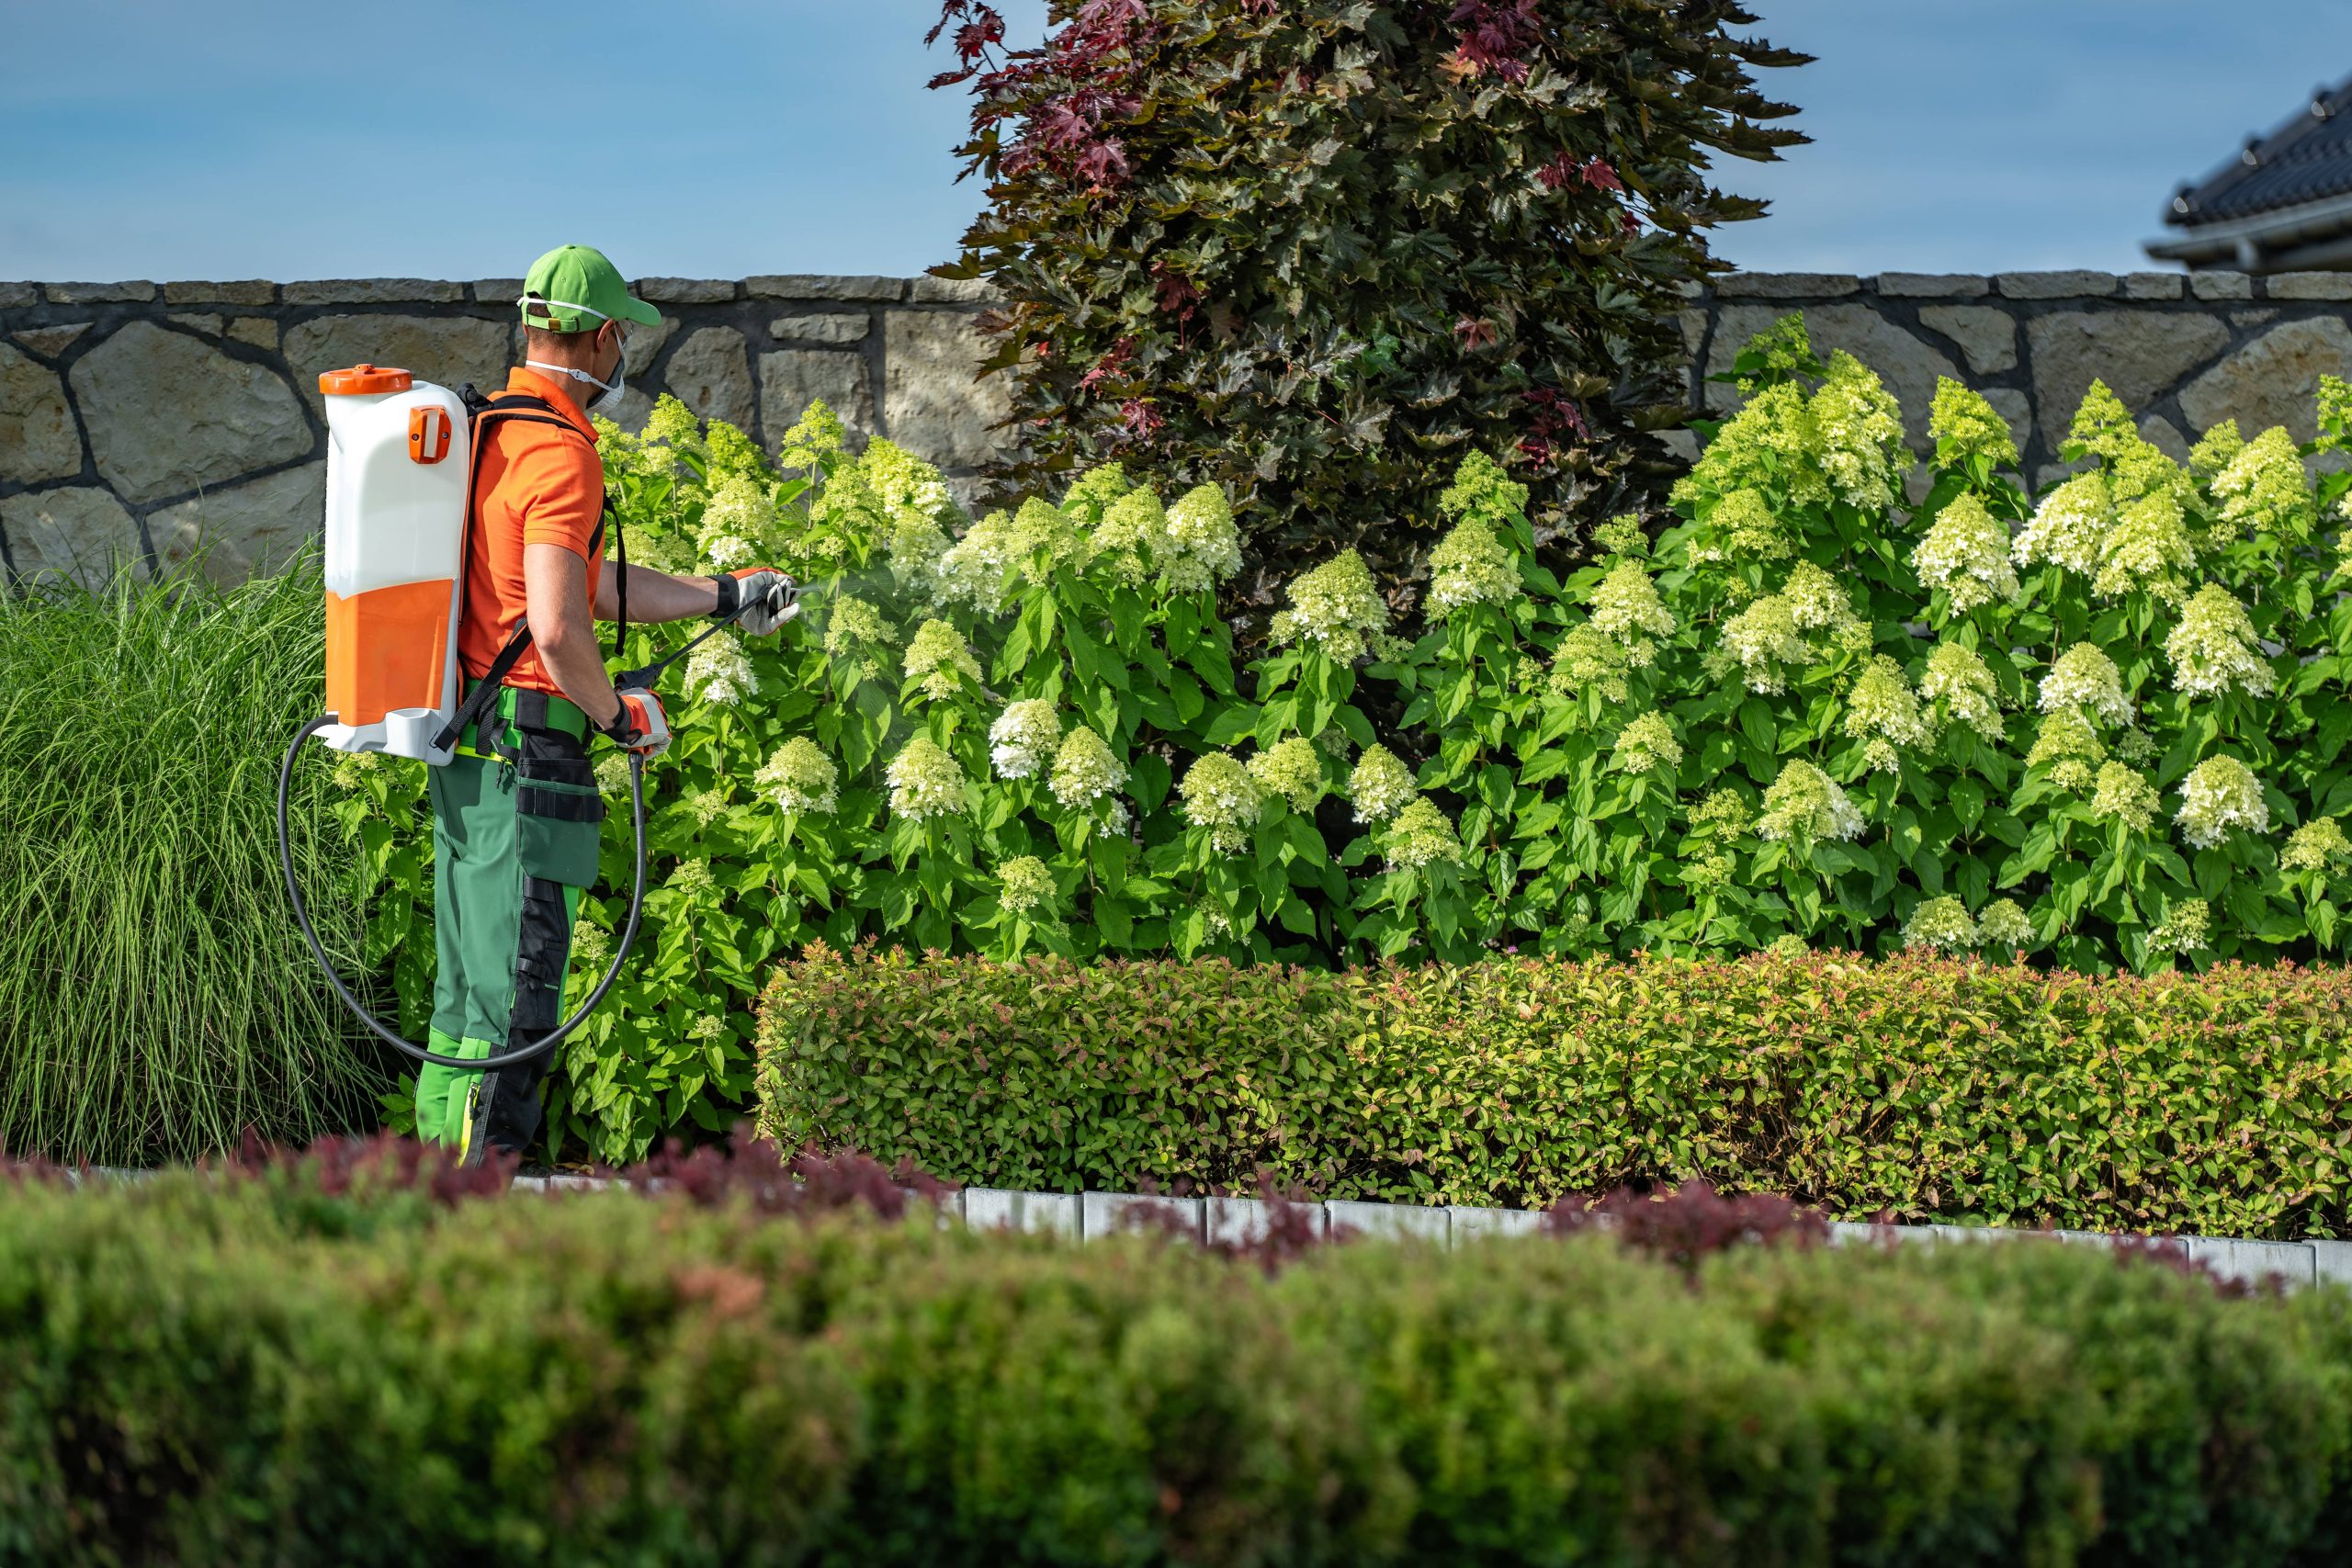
(855, 630)
(2069, 528)
(2124, 795)
(2186, 928)
(1085, 769)
(1816, 603)
(1883, 711)
(2318, 846)
(1381, 786)
(1334, 607)
(1763, 642)
(1964, 426)
(1133, 534)
(1647, 743)
(2263, 489)
(1421, 836)
(1806, 803)
(2148, 548)
(2005, 927)
(1220, 795)
(940, 661)
(719, 672)
(799, 778)
(2213, 649)
(1207, 547)
(1025, 885)
(2070, 747)
(2084, 678)
(1860, 426)
(1587, 657)
(1291, 769)
(1771, 443)
(1742, 527)
(1941, 925)
(1962, 691)
(925, 782)
(973, 569)
(1625, 606)
(736, 518)
(2219, 794)
(1022, 738)
(1470, 565)
(1966, 554)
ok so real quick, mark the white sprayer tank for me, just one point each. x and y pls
(397, 468)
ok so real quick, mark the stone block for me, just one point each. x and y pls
(446, 350)
(1389, 1220)
(2252, 1262)
(51, 341)
(39, 439)
(1787, 285)
(1237, 1222)
(205, 322)
(14, 294)
(825, 285)
(929, 290)
(991, 1208)
(137, 293)
(242, 530)
(1931, 284)
(1906, 362)
(167, 413)
(373, 291)
(2140, 354)
(823, 326)
(792, 378)
(684, 290)
(2153, 285)
(934, 404)
(1468, 1222)
(1694, 331)
(711, 375)
(2055, 285)
(1682, 446)
(258, 331)
(2166, 437)
(247, 291)
(2014, 407)
(2332, 1262)
(2252, 318)
(82, 534)
(645, 341)
(2272, 380)
(2220, 286)
(1111, 1214)
(503, 291)
(2309, 285)
(1987, 336)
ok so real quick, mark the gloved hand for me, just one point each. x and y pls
(771, 596)
(640, 726)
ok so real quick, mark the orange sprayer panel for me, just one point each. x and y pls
(387, 649)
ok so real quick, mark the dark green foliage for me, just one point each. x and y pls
(200, 1370)
(155, 998)
(2209, 1105)
(1315, 251)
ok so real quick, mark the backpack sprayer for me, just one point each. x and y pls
(400, 482)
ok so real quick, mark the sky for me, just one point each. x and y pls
(288, 139)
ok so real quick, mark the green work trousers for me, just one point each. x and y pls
(515, 842)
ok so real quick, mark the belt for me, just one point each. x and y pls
(524, 709)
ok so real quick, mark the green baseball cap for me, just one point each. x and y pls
(574, 288)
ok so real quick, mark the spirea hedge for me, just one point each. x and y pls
(354, 1364)
(2216, 1104)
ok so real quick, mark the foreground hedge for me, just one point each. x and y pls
(192, 1372)
(2212, 1104)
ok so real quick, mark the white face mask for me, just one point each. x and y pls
(609, 395)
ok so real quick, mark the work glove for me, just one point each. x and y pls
(773, 598)
(640, 726)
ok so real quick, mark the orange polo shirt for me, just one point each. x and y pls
(535, 485)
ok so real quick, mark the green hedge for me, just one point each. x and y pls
(199, 1372)
(2214, 1105)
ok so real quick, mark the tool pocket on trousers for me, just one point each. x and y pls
(558, 810)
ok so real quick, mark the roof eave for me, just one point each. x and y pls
(2267, 242)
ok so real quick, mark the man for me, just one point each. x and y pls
(515, 813)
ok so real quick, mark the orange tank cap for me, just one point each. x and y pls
(364, 379)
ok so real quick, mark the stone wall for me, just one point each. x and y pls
(139, 421)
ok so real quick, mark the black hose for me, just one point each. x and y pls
(520, 1054)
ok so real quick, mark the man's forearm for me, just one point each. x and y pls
(653, 595)
(578, 665)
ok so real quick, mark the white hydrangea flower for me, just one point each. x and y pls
(925, 782)
(1966, 554)
(693, 876)
(1882, 707)
(1421, 836)
(2188, 928)
(2263, 489)
(854, 628)
(1941, 925)
(1220, 795)
(1647, 742)
(1742, 527)
(1860, 426)
(1587, 657)
(2069, 529)
(1025, 885)
(2069, 748)
(738, 515)
(2125, 794)
(1204, 546)
(612, 773)
(1085, 769)
(1817, 601)
(708, 806)
(1805, 802)
(2147, 550)
(1291, 769)
(719, 672)
(2219, 794)
(973, 570)
(1133, 536)
(2005, 927)
(2318, 846)
(1771, 443)
(1381, 786)
(1963, 690)
(2085, 679)
(592, 946)
(1625, 605)
(1763, 642)
(1470, 565)
(1333, 607)
(1963, 424)
(799, 778)
(940, 659)
(2213, 649)
(1022, 738)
